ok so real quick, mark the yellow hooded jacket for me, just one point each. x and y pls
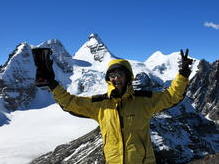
(124, 122)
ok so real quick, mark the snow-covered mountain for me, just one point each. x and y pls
(166, 66)
(17, 77)
(175, 132)
(95, 52)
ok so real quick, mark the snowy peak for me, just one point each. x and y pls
(61, 57)
(97, 47)
(17, 78)
(19, 68)
(95, 39)
(58, 49)
(56, 46)
(166, 66)
(159, 58)
(94, 51)
(155, 55)
(52, 42)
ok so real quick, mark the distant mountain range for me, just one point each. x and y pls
(181, 134)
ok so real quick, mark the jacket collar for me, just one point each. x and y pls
(111, 91)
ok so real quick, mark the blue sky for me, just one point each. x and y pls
(132, 29)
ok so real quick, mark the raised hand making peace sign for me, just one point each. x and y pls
(184, 67)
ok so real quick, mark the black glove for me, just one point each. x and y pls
(45, 75)
(184, 67)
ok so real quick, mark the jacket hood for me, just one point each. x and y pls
(122, 64)
(126, 66)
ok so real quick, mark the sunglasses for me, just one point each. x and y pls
(117, 74)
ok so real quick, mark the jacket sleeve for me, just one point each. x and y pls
(76, 104)
(170, 96)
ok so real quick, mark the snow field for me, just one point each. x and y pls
(33, 132)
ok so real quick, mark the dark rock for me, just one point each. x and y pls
(160, 68)
(144, 81)
(18, 98)
(204, 89)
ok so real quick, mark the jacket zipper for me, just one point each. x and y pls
(121, 121)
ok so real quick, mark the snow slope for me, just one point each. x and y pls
(37, 131)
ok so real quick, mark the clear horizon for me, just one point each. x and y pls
(130, 29)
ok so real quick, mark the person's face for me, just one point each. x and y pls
(118, 78)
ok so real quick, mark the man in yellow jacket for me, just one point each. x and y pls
(123, 114)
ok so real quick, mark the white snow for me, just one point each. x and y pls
(34, 132)
(159, 140)
(207, 117)
(166, 66)
(163, 115)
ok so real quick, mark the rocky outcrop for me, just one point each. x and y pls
(182, 134)
(204, 89)
(18, 98)
(143, 81)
